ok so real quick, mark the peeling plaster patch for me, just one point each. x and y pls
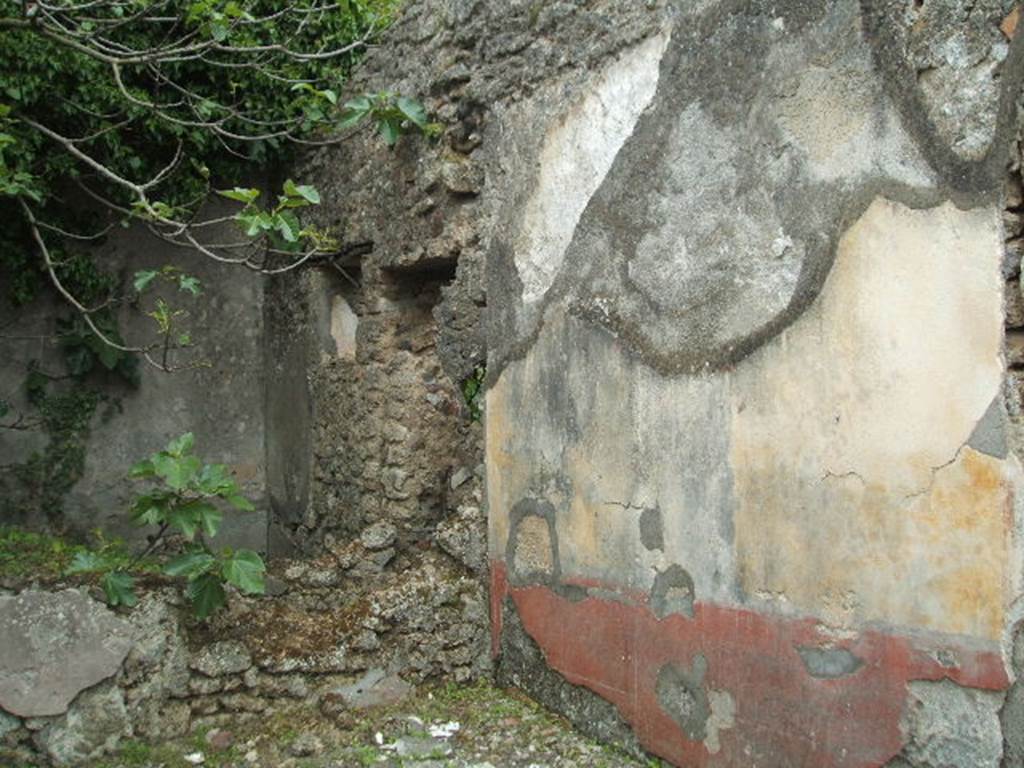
(829, 662)
(533, 544)
(949, 725)
(681, 695)
(957, 48)
(672, 593)
(727, 256)
(652, 535)
(533, 554)
(843, 127)
(963, 103)
(572, 592)
(577, 155)
(344, 323)
(989, 435)
(1012, 714)
(722, 718)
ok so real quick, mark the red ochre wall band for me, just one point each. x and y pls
(779, 713)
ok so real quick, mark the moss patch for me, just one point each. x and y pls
(27, 556)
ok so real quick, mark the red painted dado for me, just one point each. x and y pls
(784, 717)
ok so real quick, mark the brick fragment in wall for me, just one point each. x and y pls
(242, 702)
(1013, 304)
(1014, 191)
(204, 705)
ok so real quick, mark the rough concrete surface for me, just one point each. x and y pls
(1012, 714)
(951, 726)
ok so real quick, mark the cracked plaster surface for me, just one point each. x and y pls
(873, 396)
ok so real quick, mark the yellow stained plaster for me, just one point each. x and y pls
(848, 433)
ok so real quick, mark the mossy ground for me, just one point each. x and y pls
(37, 556)
(497, 728)
(28, 556)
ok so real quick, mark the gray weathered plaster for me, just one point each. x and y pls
(947, 725)
(217, 396)
(776, 151)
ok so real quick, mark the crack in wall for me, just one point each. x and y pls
(830, 475)
(934, 471)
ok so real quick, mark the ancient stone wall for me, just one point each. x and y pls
(361, 451)
(217, 396)
(377, 342)
(746, 280)
(751, 469)
(336, 633)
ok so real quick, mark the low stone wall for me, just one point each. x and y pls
(356, 626)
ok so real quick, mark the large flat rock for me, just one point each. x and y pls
(54, 646)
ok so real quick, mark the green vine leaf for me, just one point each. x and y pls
(245, 569)
(206, 594)
(143, 468)
(86, 561)
(413, 111)
(185, 521)
(209, 517)
(390, 130)
(241, 194)
(288, 225)
(214, 480)
(191, 564)
(239, 502)
(119, 588)
(305, 191)
(181, 445)
(148, 509)
(143, 279)
(189, 497)
(177, 471)
(189, 284)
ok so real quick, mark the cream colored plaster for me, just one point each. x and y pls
(618, 439)
(857, 497)
(828, 474)
(505, 482)
(577, 154)
(344, 324)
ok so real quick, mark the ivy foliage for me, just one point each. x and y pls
(84, 352)
(473, 392)
(41, 481)
(391, 112)
(206, 91)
